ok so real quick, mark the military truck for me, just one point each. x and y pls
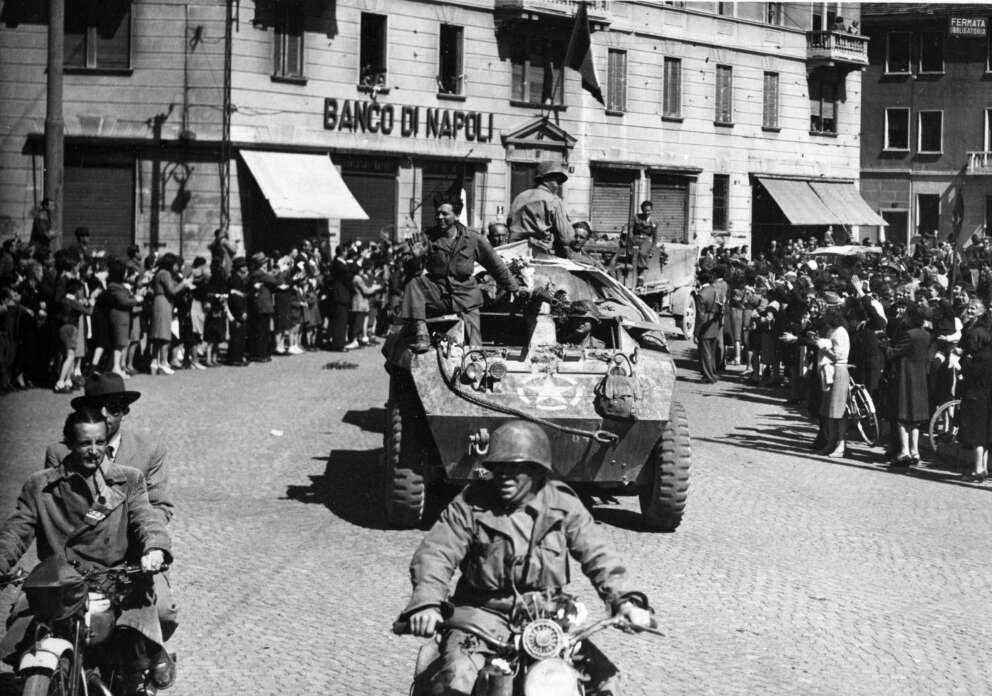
(608, 406)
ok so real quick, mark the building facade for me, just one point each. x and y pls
(739, 121)
(926, 162)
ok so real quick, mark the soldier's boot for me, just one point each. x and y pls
(421, 338)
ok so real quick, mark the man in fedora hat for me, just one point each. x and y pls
(105, 392)
(538, 214)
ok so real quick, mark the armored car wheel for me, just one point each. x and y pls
(405, 489)
(665, 489)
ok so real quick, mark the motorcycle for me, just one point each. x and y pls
(75, 615)
(541, 654)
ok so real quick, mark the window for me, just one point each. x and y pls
(537, 75)
(721, 201)
(372, 53)
(672, 96)
(450, 78)
(897, 129)
(927, 213)
(822, 106)
(932, 52)
(287, 46)
(616, 95)
(897, 52)
(770, 111)
(773, 13)
(724, 95)
(97, 39)
(931, 132)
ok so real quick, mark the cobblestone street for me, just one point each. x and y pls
(790, 574)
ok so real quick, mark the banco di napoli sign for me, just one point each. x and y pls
(354, 116)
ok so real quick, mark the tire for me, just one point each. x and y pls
(664, 493)
(405, 493)
(49, 683)
(944, 423)
(862, 409)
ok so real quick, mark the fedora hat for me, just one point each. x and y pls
(549, 167)
(103, 387)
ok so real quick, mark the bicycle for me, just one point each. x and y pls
(944, 423)
(861, 410)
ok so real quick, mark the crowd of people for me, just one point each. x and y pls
(912, 328)
(70, 312)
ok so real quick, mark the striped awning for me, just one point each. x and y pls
(807, 202)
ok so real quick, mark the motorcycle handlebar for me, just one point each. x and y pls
(403, 628)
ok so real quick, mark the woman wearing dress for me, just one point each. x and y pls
(166, 289)
(833, 350)
(910, 351)
(975, 419)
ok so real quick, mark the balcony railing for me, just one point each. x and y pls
(598, 10)
(979, 163)
(837, 47)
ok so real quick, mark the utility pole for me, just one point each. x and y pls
(54, 123)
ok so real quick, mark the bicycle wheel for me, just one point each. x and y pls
(944, 423)
(862, 409)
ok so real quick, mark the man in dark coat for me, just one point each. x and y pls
(511, 535)
(342, 274)
(237, 305)
(260, 308)
(709, 326)
(449, 285)
(96, 513)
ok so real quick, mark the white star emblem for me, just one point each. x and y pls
(549, 392)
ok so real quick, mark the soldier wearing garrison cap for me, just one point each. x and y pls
(538, 214)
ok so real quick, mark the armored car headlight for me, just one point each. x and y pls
(497, 369)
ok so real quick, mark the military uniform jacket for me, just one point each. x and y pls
(707, 309)
(475, 536)
(539, 215)
(450, 262)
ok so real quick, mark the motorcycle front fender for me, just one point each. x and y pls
(45, 655)
(552, 677)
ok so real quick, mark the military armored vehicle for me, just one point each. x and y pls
(607, 404)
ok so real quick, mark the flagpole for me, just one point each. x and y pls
(569, 50)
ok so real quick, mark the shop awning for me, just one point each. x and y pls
(806, 202)
(302, 186)
(798, 201)
(846, 202)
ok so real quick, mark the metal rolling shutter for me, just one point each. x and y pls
(670, 198)
(376, 193)
(611, 196)
(102, 200)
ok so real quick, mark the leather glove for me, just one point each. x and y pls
(635, 615)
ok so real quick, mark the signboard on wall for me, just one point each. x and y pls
(407, 121)
(967, 26)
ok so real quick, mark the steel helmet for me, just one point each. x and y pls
(519, 441)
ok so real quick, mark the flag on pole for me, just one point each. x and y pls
(579, 54)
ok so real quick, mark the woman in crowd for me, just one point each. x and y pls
(165, 289)
(833, 350)
(101, 338)
(364, 288)
(217, 314)
(975, 418)
(34, 311)
(72, 306)
(121, 302)
(910, 351)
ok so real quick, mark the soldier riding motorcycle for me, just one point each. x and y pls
(511, 534)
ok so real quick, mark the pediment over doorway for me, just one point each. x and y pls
(541, 133)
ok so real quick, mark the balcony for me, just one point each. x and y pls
(836, 48)
(979, 163)
(535, 10)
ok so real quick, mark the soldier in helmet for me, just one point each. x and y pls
(508, 535)
(583, 316)
(538, 214)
